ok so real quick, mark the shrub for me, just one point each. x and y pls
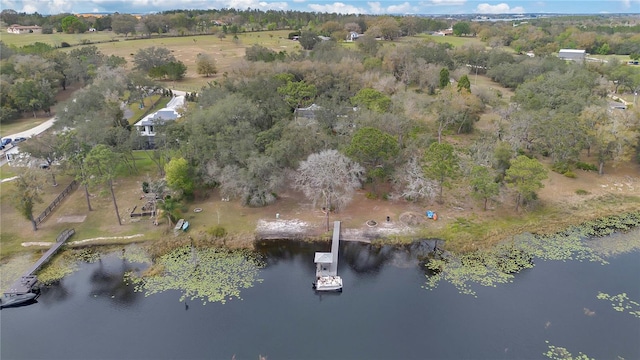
(586, 166)
(64, 44)
(561, 167)
(371, 196)
(292, 34)
(582, 192)
(570, 174)
(217, 231)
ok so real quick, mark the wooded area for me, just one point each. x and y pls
(396, 115)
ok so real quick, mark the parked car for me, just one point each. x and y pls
(6, 141)
(19, 140)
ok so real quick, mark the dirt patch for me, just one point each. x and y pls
(285, 229)
(412, 218)
(72, 219)
(80, 242)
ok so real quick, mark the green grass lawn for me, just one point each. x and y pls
(139, 113)
(621, 58)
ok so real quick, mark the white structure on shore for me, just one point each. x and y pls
(327, 278)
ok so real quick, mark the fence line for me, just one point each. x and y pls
(55, 202)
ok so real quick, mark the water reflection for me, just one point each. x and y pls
(108, 281)
(383, 312)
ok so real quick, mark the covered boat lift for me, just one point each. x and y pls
(327, 278)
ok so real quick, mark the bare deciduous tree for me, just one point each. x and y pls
(330, 177)
(411, 183)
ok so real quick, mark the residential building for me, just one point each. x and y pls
(19, 29)
(572, 54)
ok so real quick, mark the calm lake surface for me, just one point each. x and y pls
(383, 313)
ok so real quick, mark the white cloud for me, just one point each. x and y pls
(501, 8)
(375, 7)
(337, 7)
(448, 2)
(28, 8)
(404, 8)
(628, 3)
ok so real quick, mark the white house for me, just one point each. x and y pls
(353, 36)
(146, 126)
(19, 29)
(572, 54)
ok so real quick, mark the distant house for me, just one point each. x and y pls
(353, 36)
(617, 106)
(306, 114)
(572, 54)
(146, 126)
(446, 32)
(19, 29)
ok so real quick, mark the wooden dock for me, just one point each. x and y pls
(28, 280)
(335, 245)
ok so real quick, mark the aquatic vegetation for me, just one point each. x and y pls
(621, 302)
(560, 353)
(208, 274)
(488, 267)
(87, 255)
(616, 244)
(66, 263)
(135, 254)
(59, 267)
(13, 268)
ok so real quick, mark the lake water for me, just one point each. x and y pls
(383, 313)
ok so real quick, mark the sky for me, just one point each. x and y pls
(425, 7)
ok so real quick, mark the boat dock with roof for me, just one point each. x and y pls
(327, 278)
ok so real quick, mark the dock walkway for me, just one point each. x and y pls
(28, 280)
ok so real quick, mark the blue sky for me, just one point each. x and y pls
(344, 6)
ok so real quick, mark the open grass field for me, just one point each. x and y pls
(56, 39)
(453, 40)
(226, 51)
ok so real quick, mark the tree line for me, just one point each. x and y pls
(402, 116)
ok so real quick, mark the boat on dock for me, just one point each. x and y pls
(25, 290)
(328, 283)
(14, 300)
(327, 278)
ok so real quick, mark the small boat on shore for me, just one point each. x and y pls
(9, 300)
